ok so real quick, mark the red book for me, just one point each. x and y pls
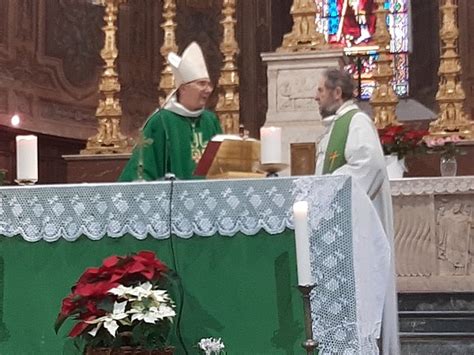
(207, 158)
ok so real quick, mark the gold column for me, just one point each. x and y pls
(451, 95)
(169, 45)
(303, 36)
(228, 106)
(384, 100)
(109, 112)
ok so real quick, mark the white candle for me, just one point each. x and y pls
(270, 145)
(300, 218)
(27, 158)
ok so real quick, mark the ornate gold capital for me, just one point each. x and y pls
(451, 95)
(303, 36)
(384, 100)
(228, 105)
(169, 45)
(109, 139)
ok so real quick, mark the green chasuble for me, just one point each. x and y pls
(178, 143)
(335, 158)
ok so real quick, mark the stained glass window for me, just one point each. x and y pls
(351, 24)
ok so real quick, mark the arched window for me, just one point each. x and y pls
(351, 24)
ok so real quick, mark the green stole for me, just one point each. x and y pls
(334, 158)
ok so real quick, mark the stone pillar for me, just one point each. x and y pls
(292, 82)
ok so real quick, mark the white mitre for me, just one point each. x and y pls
(190, 66)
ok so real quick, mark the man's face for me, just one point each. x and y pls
(329, 100)
(195, 94)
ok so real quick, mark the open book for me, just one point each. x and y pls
(227, 153)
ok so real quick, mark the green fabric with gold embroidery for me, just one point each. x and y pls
(178, 143)
(334, 158)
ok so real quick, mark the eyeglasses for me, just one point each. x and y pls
(202, 84)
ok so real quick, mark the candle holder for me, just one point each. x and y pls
(310, 345)
(26, 182)
(272, 169)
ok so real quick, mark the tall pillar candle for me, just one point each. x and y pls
(270, 145)
(300, 218)
(27, 158)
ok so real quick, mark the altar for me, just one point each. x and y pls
(231, 244)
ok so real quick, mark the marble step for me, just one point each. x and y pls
(437, 343)
(436, 322)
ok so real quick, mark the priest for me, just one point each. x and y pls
(351, 146)
(179, 131)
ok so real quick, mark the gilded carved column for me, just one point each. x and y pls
(169, 45)
(451, 95)
(384, 100)
(109, 139)
(228, 107)
(303, 36)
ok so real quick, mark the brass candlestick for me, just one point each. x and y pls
(310, 345)
(384, 100)
(303, 36)
(272, 169)
(451, 95)
(169, 45)
(109, 139)
(228, 106)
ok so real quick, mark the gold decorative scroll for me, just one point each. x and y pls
(169, 45)
(109, 112)
(384, 100)
(450, 95)
(228, 107)
(303, 36)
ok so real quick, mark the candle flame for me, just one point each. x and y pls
(15, 120)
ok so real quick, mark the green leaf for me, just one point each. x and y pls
(59, 322)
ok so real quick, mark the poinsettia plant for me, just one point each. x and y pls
(446, 146)
(122, 302)
(402, 141)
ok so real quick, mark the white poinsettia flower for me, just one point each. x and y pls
(120, 290)
(142, 291)
(110, 320)
(165, 311)
(160, 296)
(211, 345)
(119, 310)
(148, 315)
(94, 331)
(111, 325)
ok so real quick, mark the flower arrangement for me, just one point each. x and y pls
(211, 346)
(121, 303)
(402, 141)
(446, 146)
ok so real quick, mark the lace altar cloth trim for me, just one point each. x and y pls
(198, 207)
(432, 185)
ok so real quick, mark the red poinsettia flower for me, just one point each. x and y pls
(68, 305)
(91, 298)
(401, 140)
(94, 289)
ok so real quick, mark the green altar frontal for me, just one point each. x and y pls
(240, 289)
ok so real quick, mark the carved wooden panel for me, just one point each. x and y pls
(140, 61)
(4, 10)
(434, 241)
(424, 59)
(51, 165)
(303, 158)
(466, 44)
(200, 23)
